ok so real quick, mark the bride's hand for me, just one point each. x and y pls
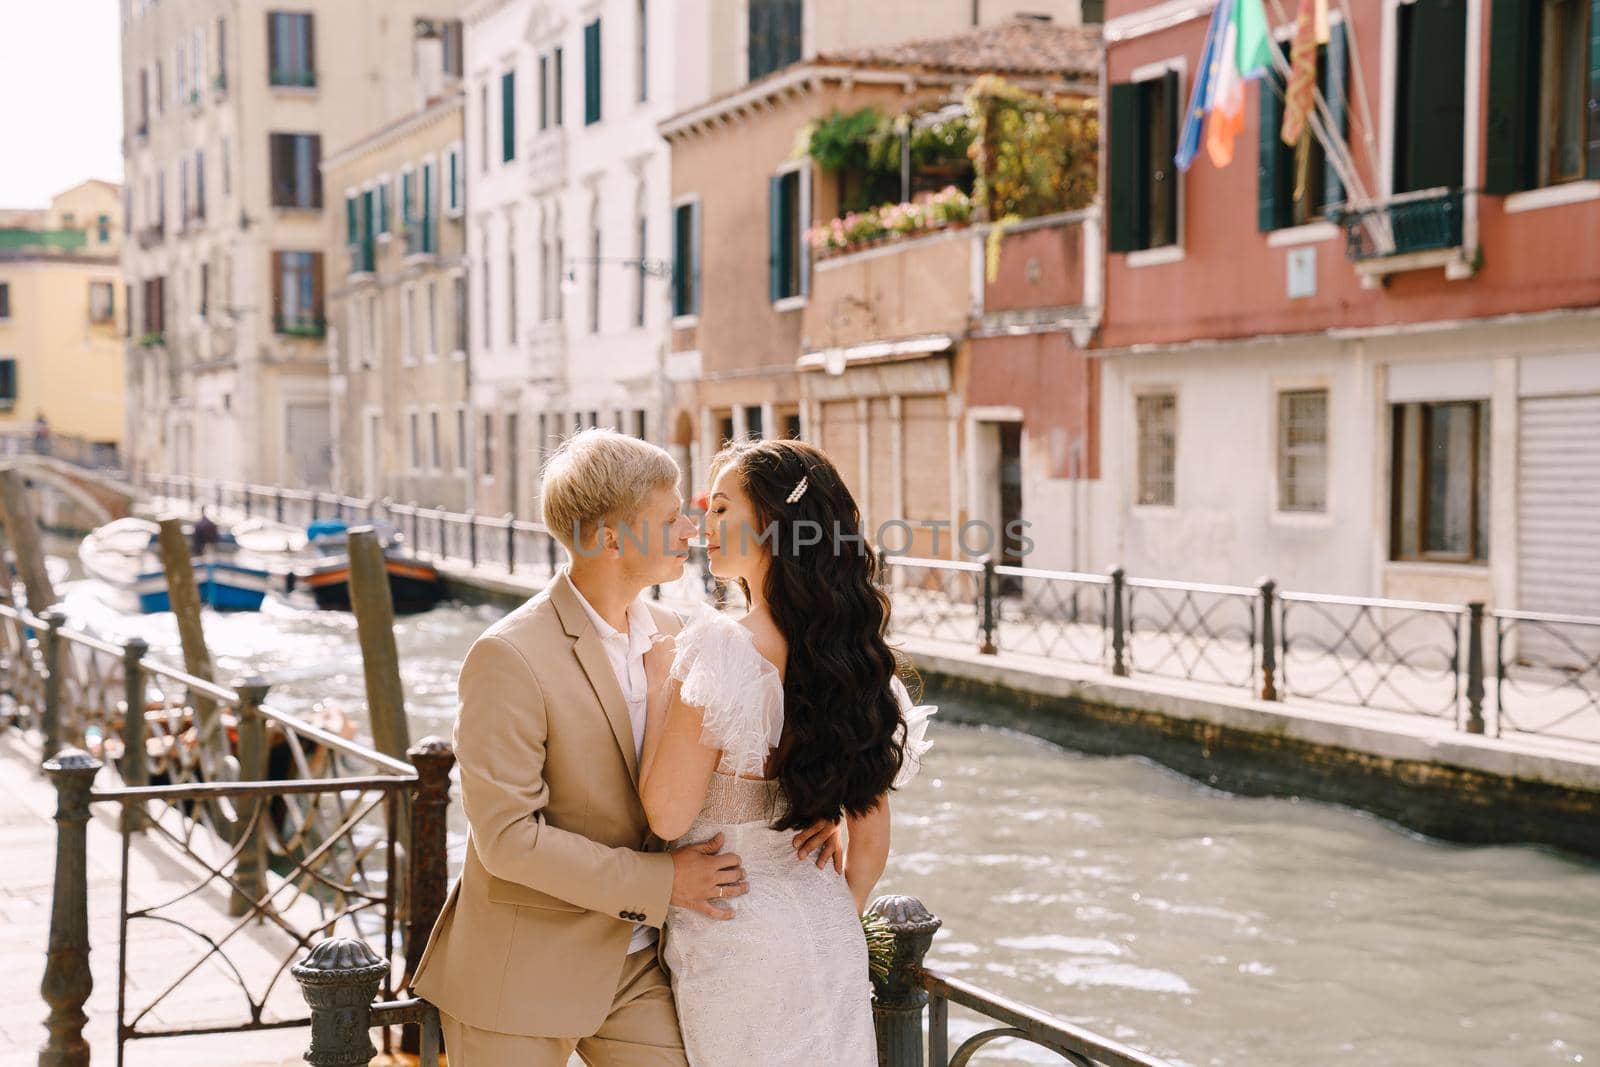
(658, 660)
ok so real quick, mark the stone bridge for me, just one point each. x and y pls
(104, 496)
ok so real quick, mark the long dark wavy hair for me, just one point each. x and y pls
(841, 745)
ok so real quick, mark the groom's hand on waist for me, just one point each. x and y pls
(701, 877)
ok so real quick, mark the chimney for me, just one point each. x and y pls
(428, 50)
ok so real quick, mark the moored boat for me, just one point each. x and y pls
(123, 556)
(414, 584)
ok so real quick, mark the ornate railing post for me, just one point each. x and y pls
(429, 862)
(472, 538)
(898, 1000)
(1118, 624)
(1475, 667)
(135, 768)
(511, 543)
(988, 648)
(67, 979)
(277, 496)
(339, 979)
(416, 527)
(1269, 641)
(252, 862)
(444, 541)
(316, 500)
(55, 651)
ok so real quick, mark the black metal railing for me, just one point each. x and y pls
(1410, 657)
(422, 236)
(1412, 222)
(303, 831)
(910, 1007)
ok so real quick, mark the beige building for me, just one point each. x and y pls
(229, 109)
(397, 309)
(61, 317)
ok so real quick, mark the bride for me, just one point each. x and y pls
(761, 726)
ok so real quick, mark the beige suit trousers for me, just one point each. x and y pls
(641, 1030)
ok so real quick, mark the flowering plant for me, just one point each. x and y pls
(949, 206)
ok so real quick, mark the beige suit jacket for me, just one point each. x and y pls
(560, 861)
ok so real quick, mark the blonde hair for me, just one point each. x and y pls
(599, 475)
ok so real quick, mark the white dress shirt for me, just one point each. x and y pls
(626, 653)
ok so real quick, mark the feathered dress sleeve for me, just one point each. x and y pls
(739, 692)
(915, 731)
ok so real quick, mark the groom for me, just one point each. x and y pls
(547, 943)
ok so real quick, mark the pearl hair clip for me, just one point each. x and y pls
(799, 491)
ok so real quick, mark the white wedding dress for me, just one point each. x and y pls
(784, 983)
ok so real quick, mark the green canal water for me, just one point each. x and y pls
(1203, 927)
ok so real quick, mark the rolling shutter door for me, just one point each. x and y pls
(926, 423)
(1559, 515)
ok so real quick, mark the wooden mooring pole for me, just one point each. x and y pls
(380, 660)
(22, 529)
(183, 596)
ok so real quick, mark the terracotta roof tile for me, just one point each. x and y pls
(1020, 46)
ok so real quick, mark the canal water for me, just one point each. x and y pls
(1203, 927)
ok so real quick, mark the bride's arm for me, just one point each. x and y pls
(867, 852)
(674, 767)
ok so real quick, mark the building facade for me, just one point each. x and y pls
(398, 305)
(577, 230)
(865, 350)
(229, 110)
(1383, 379)
(62, 312)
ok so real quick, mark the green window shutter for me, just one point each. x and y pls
(350, 220)
(696, 221)
(1593, 168)
(1336, 92)
(1433, 58)
(1510, 145)
(383, 207)
(407, 200)
(591, 73)
(508, 116)
(681, 265)
(774, 239)
(1122, 169)
(1267, 213)
(367, 213)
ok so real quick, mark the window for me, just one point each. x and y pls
(488, 320)
(430, 346)
(1544, 94)
(422, 237)
(127, 302)
(775, 35)
(458, 290)
(752, 422)
(291, 49)
(461, 439)
(594, 268)
(199, 72)
(161, 89)
(155, 307)
(408, 323)
(1156, 419)
(483, 127)
(508, 116)
(408, 199)
(8, 383)
(144, 103)
(5, 300)
(414, 439)
(686, 259)
(639, 249)
(1278, 171)
(789, 209)
(454, 180)
(488, 445)
(227, 168)
(642, 59)
(297, 293)
(1430, 90)
(1143, 179)
(200, 184)
(511, 285)
(1441, 482)
(296, 169)
(180, 73)
(385, 198)
(436, 459)
(544, 93)
(557, 90)
(102, 302)
(102, 228)
(222, 53)
(591, 73)
(791, 426)
(1303, 450)
(184, 215)
(205, 290)
(454, 48)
